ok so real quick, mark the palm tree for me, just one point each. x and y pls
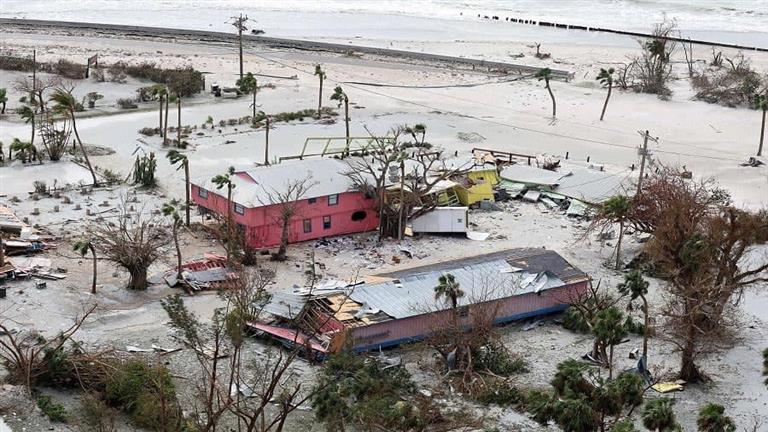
(65, 104)
(606, 79)
(636, 287)
(320, 75)
(617, 209)
(448, 289)
(341, 97)
(83, 247)
(712, 418)
(249, 84)
(610, 330)
(161, 92)
(220, 181)
(546, 74)
(170, 209)
(182, 161)
(23, 149)
(658, 415)
(761, 102)
(3, 99)
(28, 115)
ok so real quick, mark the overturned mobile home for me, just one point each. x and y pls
(401, 307)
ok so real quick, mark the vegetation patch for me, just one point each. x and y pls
(54, 411)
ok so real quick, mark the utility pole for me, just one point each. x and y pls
(239, 23)
(644, 153)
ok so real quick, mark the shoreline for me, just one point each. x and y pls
(280, 43)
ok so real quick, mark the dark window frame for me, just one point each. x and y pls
(336, 196)
(312, 200)
(202, 193)
(327, 222)
(307, 224)
(235, 206)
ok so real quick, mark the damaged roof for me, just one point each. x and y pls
(588, 185)
(411, 292)
(259, 186)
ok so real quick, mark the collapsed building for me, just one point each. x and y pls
(401, 307)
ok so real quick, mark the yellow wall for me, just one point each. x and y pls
(483, 190)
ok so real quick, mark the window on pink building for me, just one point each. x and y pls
(312, 200)
(333, 199)
(307, 225)
(239, 209)
(202, 193)
(326, 222)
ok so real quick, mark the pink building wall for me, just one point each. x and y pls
(398, 331)
(263, 229)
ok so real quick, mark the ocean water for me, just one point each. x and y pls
(734, 21)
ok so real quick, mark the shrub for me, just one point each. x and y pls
(712, 418)
(111, 177)
(496, 358)
(127, 103)
(54, 411)
(149, 131)
(500, 392)
(95, 415)
(40, 187)
(185, 82)
(144, 391)
(732, 87)
(67, 69)
(22, 64)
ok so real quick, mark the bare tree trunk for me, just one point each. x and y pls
(646, 331)
(266, 142)
(138, 278)
(178, 126)
(165, 125)
(32, 122)
(554, 104)
(762, 136)
(82, 149)
(320, 97)
(346, 117)
(283, 241)
(186, 189)
(618, 245)
(93, 284)
(178, 248)
(688, 369)
(605, 105)
(160, 115)
(229, 222)
(253, 119)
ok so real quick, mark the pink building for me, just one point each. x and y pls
(331, 206)
(400, 307)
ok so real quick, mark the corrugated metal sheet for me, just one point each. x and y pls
(482, 281)
(592, 186)
(286, 304)
(520, 173)
(325, 176)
